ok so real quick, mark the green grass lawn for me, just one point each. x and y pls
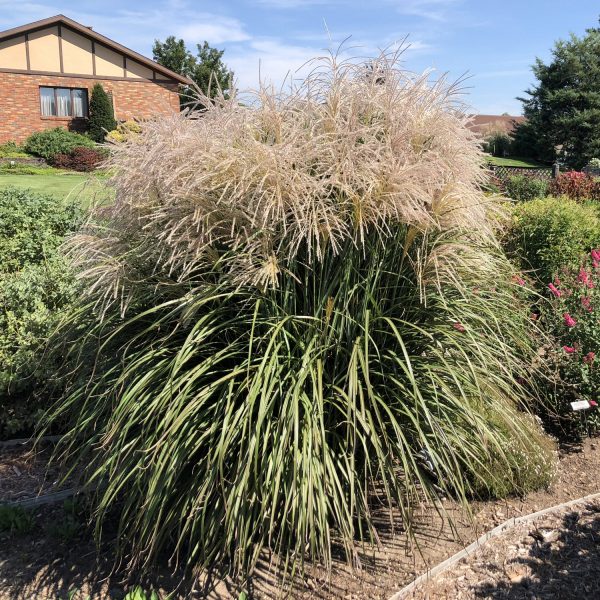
(85, 188)
(513, 162)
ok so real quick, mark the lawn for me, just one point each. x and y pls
(84, 187)
(513, 161)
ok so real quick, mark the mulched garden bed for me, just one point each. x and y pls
(25, 475)
(555, 556)
(46, 565)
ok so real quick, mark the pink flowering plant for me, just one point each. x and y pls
(574, 322)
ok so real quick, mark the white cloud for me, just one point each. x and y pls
(274, 61)
(270, 60)
(285, 4)
(409, 46)
(23, 7)
(251, 57)
(13, 14)
(214, 29)
(433, 10)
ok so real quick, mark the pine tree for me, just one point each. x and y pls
(102, 116)
(563, 109)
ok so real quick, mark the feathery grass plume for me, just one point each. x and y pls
(290, 304)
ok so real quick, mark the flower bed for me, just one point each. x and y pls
(576, 185)
(574, 323)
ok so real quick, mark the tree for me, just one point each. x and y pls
(497, 138)
(207, 70)
(174, 55)
(528, 142)
(102, 116)
(211, 73)
(563, 109)
(498, 143)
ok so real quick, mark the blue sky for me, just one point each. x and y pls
(494, 42)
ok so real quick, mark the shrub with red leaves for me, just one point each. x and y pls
(576, 185)
(79, 159)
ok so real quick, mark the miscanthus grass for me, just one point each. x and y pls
(296, 311)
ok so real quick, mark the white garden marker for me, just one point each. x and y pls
(580, 405)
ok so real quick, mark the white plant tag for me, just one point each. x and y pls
(580, 405)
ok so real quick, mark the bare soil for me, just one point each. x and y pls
(46, 564)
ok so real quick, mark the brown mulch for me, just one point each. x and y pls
(393, 566)
(25, 475)
(39, 566)
(556, 556)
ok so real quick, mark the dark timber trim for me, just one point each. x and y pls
(88, 33)
(80, 76)
(60, 49)
(27, 52)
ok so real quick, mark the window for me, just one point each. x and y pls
(63, 102)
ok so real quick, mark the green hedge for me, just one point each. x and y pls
(521, 187)
(549, 233)
(11, 150)
(36, 286)
(56, 141)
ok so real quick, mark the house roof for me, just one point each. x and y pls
(483, 123)
(91, 34)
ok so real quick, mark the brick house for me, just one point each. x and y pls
(48, 69)
(487, 124)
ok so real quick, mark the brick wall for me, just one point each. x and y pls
(20, 113)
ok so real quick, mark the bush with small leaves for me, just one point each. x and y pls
(80, 159)
(11, 150)
(523, 188)
(36, 286)
(576, 185)
(123, 131)
(548, 233)
(56, 141)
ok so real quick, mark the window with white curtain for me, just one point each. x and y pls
(63, 102)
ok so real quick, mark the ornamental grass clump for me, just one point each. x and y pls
(296, 312)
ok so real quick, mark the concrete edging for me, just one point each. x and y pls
(480, 541)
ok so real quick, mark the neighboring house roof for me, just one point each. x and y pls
(91, 34)
(484, 124)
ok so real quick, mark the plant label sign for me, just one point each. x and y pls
(580, 405)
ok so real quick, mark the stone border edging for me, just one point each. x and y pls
(471, 548)
(24, 441)
(50, 498)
